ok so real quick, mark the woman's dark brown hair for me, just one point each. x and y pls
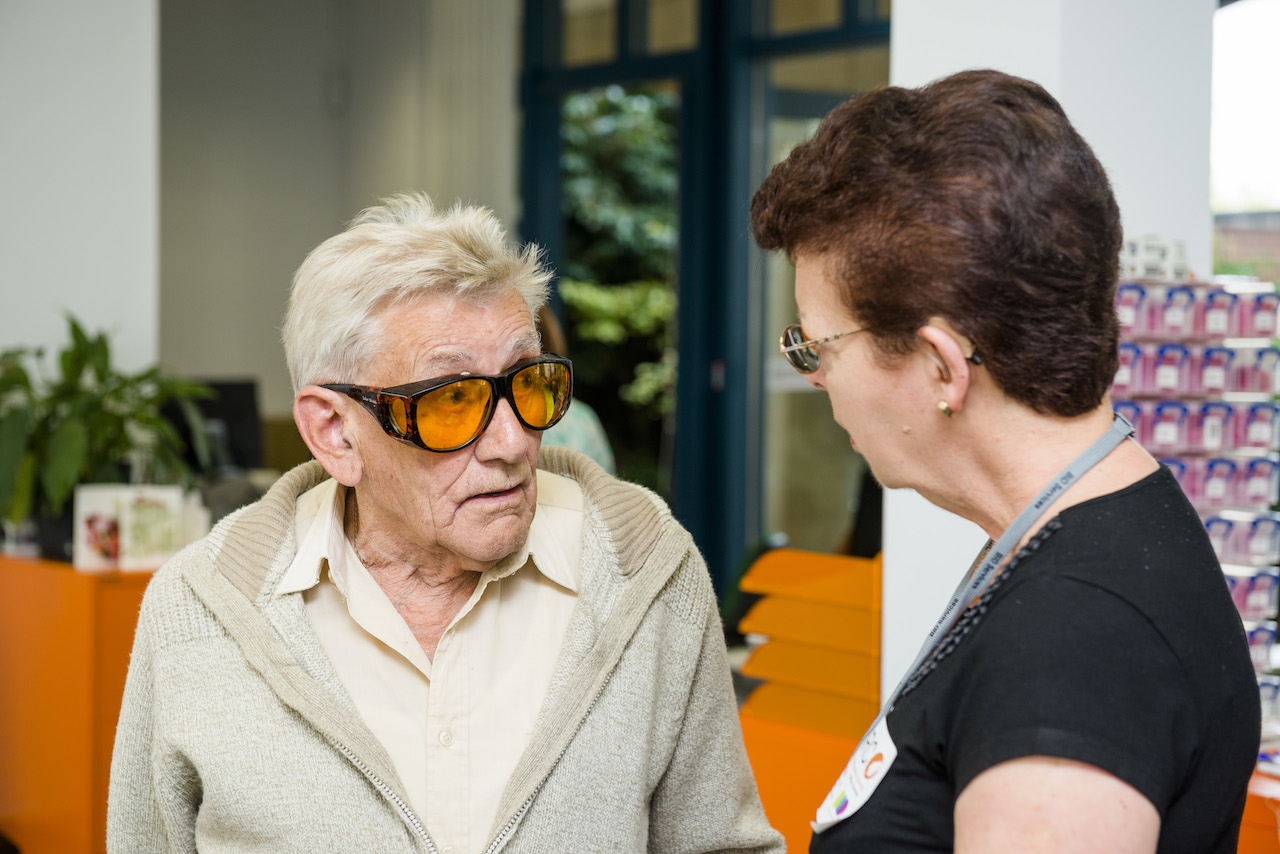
(973, 199)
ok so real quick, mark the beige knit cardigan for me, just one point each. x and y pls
(237, 735)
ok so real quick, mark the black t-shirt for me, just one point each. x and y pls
(1111, 639)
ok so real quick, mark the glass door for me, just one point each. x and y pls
(619, 172)
(817, 493)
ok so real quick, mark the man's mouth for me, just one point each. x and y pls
(498, 493)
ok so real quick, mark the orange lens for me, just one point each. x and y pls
(398, 409)
(541, 393)
(452, 414)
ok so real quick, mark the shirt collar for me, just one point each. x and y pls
(553, 547)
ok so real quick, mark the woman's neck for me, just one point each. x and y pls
(1005, 458)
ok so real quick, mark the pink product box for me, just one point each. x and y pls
(1221, 533)
(1132, 310)
(1212, 428)
(1175, 315)
(1131, 375)
(1268, 691)
(1256, 484)
(1255, 596)
(1218, 483)
(1259, 543)
(1173, 369)
(1259, 373)
(1167, 422)
(1218, 315)
(1248, 543)
(1168, 370)
(1213, 484)
(1214, 371)
(1256, 426)
(1261, 638)
(1258, 315)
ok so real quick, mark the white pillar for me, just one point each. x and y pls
(79, 117)
(1134, 77)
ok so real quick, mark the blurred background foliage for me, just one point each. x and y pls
(619, 167)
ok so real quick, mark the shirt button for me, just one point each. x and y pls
(448, 849)
(446, 737)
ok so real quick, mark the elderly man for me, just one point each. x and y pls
(431, 638)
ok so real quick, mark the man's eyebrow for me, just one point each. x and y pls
(455, 361)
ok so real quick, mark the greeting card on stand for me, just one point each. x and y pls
(152, 526)
(121, 526)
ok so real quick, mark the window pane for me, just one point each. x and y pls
(841, 73)
(673, 25)
(810, 495)
(590, 31)
(797, 16)
(620, 184)
(874, 11)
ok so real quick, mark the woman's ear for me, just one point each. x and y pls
(945, 349)
(321, 416)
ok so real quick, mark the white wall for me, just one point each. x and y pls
(1134, 77)
(281, 121)
(78, 173)
(470, 138)
(251, 179)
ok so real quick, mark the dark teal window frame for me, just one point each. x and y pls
(717, 472)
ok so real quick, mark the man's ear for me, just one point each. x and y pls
(946, 350)
(321, 416)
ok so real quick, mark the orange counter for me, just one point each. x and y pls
(1260, 831)
(65, 638)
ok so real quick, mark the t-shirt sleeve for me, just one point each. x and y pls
(1060, 667)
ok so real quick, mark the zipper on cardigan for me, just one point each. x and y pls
(388, 791)
(500, 840)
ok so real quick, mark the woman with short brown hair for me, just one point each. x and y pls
(1089, 688)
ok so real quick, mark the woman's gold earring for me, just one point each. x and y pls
(945, 409)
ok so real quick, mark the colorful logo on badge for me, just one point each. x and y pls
(842, 804)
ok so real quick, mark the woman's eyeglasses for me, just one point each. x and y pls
(801, 352)
(449, 413)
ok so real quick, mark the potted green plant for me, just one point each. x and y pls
(85, 421)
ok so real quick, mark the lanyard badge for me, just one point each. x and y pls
(876, 751)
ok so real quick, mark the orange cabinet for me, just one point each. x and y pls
(1259, 831)
(65, 638)
(820, 675)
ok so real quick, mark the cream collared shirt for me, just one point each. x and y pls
(454, 726)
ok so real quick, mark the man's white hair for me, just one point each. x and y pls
(398, 251)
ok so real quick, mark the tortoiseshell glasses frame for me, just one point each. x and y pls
(449, 413)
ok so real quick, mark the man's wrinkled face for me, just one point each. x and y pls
(472, 506)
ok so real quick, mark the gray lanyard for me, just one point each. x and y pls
(992, 555)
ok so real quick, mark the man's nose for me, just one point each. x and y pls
(505, 438)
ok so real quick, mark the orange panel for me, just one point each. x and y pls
(794, 768)
(814, 623)
(1260, 829)
(847, 674)
(64, 647)
(119, 597)
(816, 577)
(815, 710)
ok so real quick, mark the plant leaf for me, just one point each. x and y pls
(65, 458)
(24, 489)
(14, 428)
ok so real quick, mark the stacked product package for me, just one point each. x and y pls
(1198, 380)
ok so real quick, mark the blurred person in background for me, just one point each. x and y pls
(580, 428)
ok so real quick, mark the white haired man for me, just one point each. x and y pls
(431, 638)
